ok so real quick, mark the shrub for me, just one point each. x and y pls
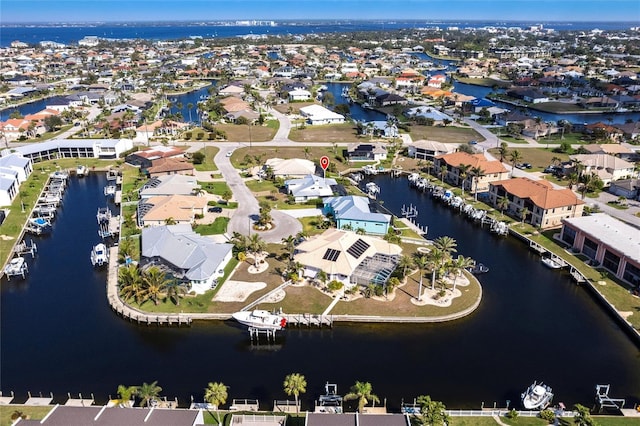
(512, 414)
(188, 135)
(548, 415)
(335, 285)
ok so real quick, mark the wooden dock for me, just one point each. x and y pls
(309, 320)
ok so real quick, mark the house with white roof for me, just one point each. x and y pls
(354, 212)
(167, 185)
(310, 187)
(197, 260)
(348, 257)
(291, 167)
(23, 165)
(317, 115)
(299, 95)
(9, 188)
(426, 150)
(75, 148)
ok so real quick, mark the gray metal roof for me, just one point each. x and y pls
(14, 161)
(178, 245)
(117, 416)
(353, 207)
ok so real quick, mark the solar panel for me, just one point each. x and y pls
(358, 248)
(331, 255)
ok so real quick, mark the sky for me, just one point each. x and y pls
(60, 11)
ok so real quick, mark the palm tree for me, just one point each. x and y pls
(216, 395)
(524, 213)
(126, 248)
(463, 171)
(175, 291)
(362, 391)
(405, 263)
(295, 384)
(289, 245)
(432, 413)
(515, 158)
(503, 204)
(148, 392)
(256, 245)
(306, 151)
(126, 392)
(154, 281)
(503, 151)
(190, 107)
(458, 266)
(436, 257)
(446, 244)
(443, 172)
(477, 172)
(322, 277)
(421, 262)
(130, 283)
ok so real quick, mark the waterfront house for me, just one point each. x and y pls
(170, 166)
(194, 259)
(356, 419)
(492, 170)
(618, 150)
(428, 113)
(9, 188)
(53, 149)
(366, 152)
(310, 187)
(169, 185)
(317, 115)
(545, 205)
(426, 150)
(145, 158)
(64, 415)
(157, 211)
(354, 212)
(299, 95)
(22, 165)
(608, 242)
(348, 257)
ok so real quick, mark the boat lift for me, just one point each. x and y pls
(605, 401)
(409, 212)
(24, 248)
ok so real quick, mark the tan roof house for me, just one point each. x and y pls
(491, 170)
(158, 211)
(607, 167)
(545, 205)
(170, 166)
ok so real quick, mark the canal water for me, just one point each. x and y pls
(59, 335)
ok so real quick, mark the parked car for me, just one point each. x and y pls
(523, 165)
(230, 153)
(474, 142)
(215, 209)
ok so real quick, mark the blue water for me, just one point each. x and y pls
(356, 112)
(189, 114)
(59, 335)
(68, 33)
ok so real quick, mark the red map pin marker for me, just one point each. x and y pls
(324, 162)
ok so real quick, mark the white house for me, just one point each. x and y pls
(291, 167)
(167, 185)
(23, 166)
(299, 95)
(75, 148)
(309, 187)
(317, 114)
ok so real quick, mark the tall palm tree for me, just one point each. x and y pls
(463, 171)
(256, 245)
(126, 248)
(503, 204)
(421, 262)
(148, 392)
(443, 172)
(478, 173)
(362, 391)
(154, 281)
(405, 263)
(524, 213)
(446, 244)
(503, 151)
(189, 107)
(216, 395)
(295, 384)
(289, 245)
(436, 257)
(458, 266)
(515, 158)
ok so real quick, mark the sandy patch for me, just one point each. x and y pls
(6, 237)
(625, 314)
(237, 291)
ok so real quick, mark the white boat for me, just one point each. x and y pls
(103, 215)
(82, 171)
(110, 190)
(537, 396)
(260, 319)
(112, 174)
(551, 263)
(99, 255)
(478, 269)
(17, 266)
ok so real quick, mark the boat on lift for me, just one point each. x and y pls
(260, 319)
(537, 396)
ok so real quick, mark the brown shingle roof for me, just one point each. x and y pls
(162, 165)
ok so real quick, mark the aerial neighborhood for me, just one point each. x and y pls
(242, 171)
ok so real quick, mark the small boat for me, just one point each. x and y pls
(112, 174)
(478, 269)
(330, 402)
(17, 266)
(99, 255)
(110, 190)
(82, 171)
(551, 263)
(537, 397)
(260, 319)
(103, 215)
(39, 222)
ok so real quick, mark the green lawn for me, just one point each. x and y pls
(261, 185)
(33, 412)
(208, 164)
(218, 226)
(449, 134)
(217, 188)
